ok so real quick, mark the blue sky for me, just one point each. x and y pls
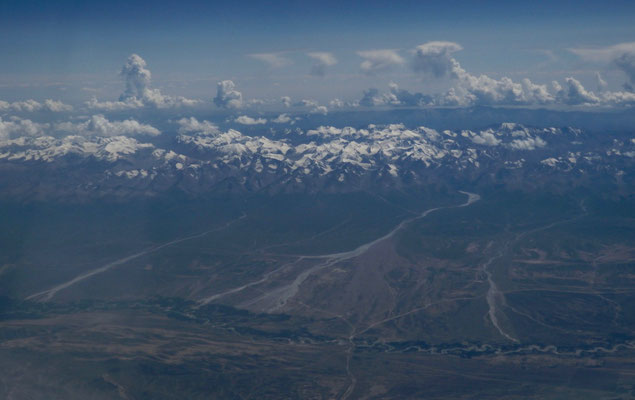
(72, 50)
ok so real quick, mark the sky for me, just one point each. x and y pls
(73, 51)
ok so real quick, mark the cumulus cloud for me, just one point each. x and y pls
(619, 98)
(131, 104)
(306, 103)
(322, 60)
(406, 98)
(136, 77)
(282, 119)
(137, 92)
(319, 110)
(273, 60)
(371, 98)
(18, 127)
(246, 120)
(57, 106)
(227, 96)
(286, 101)
(527, 143)
(315, 107)
(434, 58)
(98, 125)
(395, 96)
(486, 138)
(336, 103)
(484, 90)
(573, 93)
(32, 105)
(376, 61)
(188, 125)
(27, 105)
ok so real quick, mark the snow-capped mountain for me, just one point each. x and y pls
(202, 158)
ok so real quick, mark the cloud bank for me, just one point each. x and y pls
(32, 106)
(434, 60)
(96, 125)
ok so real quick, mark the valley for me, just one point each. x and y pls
(461, 283)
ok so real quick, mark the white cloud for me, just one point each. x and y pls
(246, 120)
(227, 96)
(336, 103)
(256, 102)
(486, 138)
(323, 60)
(306, 103)
(618, 98)
(98, 125)
(282, 119)
(286, 101)
(154, 99)
(314, 106)
(118, 146)
(56, 106)
(319, 110)
(32, 105)
(573, 93)
(274, 60)
(395, 96)
(527, 144)
(404, 97)
(434, 58)
(136, 77)
(27, 105)
(138, 93)
(372, 98)
(188, 125)
(483, 90)
(18, 127)
(470, 90)
(376, 61)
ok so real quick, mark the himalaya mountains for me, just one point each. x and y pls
(100, 158)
